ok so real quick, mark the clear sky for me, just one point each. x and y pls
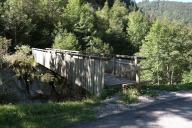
(171, 0)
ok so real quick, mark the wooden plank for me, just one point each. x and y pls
(83, 71)
(93, 75)
(87, 73)
(98, 77)
(102, 76)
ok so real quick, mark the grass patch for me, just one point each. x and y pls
(149, 93)
(130, 95)
(179, 87)
(108, 92)
(49, 115)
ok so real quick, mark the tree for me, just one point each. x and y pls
(102, 20)
(79, 18)
(171, 9)
(17, 24)
(65, 40)
(71, 14)
(44, 14)
(118, 17)
(96, 45)
(138, 27)
(165, 48)
(31, 21)
(115, 34)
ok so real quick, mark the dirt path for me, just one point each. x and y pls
(172, 114)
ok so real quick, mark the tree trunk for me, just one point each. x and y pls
(172, 74)
(15, 33)
(158, 81)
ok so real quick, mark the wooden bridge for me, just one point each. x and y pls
(91, 72)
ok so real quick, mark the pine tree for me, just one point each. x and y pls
(65, 40)
(116, 32)
(138, 27)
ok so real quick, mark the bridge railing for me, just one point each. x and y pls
(124, 66)
(82, 70)
(87, 70)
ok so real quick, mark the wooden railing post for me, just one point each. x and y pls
(137, 70)
(114, 65)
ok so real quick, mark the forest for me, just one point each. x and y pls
(172, 10)
(119, 27)
(31, 96)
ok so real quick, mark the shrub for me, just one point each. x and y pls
(25, 49)
(22, 54)
(187, 77)
(108, 92)
(130, 95)
(4, 45)
(22, 64)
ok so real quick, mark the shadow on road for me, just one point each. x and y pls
(172, 114)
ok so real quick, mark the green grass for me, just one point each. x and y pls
(179, 87)
(48, 115)
(108, 92)
(130, 95)
(148, 92)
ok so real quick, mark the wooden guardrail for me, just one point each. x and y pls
(124, 66)
(82, 70)
(88, 70)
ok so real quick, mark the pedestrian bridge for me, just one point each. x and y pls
(92, 72)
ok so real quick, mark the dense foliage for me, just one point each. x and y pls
(167, 48)
(45, 23)
(138, 28)
(116, 27)
(4, 45)
(172, 10)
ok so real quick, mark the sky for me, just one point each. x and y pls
(171, 0)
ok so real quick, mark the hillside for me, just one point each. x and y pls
(173, 10)
(100, 3)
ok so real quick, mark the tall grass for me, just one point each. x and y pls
(49, 115)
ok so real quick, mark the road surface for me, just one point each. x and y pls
(172, 114)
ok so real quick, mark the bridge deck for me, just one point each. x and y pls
(112, 80)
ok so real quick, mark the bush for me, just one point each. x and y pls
(130, 95)
(187, 77)
(108, 92)
(4, 45)
(25, 49)
(22, 55)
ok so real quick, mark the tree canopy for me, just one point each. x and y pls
(166, 49)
